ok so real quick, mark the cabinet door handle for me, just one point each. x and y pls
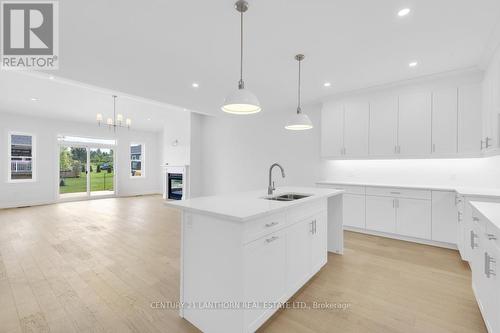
(482, 144)
(491, 236)
(472, 237)
(393, 203)
(314, 224)
(488, 260)
(395, 192)
(433, 147)
(272, 239)
(487, 142)
(272, 224)
(395, 149)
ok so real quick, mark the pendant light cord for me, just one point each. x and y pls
(241, 84)
(298, 92)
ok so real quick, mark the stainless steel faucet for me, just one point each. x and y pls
(271, 188)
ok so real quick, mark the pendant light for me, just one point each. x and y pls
(299, 121)
(241, 101)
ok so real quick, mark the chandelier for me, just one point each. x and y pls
(116, 121)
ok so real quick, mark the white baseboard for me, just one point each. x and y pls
(403, 238)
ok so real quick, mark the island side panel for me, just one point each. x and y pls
(212, 271)
(335, 224)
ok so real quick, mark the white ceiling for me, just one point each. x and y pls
(157, 48)
(68, 100)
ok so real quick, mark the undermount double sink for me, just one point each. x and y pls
(288, 197)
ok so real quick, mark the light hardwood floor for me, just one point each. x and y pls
(96, 266)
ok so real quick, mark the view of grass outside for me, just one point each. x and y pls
(73, 162)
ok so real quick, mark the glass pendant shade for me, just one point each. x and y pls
(299, 122)
(241, 101)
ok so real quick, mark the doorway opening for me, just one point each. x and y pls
(86, 169)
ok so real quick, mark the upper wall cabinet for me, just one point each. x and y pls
(383, 124)
(438, 123)
(414, 131)
(332, 129)
(356, 127)
(444, 121)
(469, 121)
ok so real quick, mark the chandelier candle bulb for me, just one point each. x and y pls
(110, 122)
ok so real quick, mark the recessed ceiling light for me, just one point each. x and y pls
(327, 84)
(34, 99)
(404, 12)
(195, 85)
(149, 119)
(413, 64)
(52, 77)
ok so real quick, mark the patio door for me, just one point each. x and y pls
(86, 171)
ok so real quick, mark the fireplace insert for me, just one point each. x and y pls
(174, 186)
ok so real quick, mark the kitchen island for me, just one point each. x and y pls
(244, 255)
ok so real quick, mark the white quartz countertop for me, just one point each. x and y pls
(464, 190)
(490, 210)
(244, 206)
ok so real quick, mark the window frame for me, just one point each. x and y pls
(33, 158)
(142, 160)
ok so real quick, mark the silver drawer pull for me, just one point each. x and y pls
(472, 242)
(491, 236)
(488, 260)
(272, 239)
(272, 224)
(395, 192)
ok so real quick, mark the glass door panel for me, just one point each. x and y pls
(72, 172)
(101, 171)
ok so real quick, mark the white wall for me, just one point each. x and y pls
(237, 151)
(178, 127)
(44, 189)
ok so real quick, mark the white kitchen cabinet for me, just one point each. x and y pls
(444, 121)
(332, 129)
(380, 214)
(265, 272)
(469, 119)
(491, 107)
(319, 240)
(298, 249)
(354, 210)
(413, 218)
(444, 217)
(356, 125)
(414, 133)
(383, 125)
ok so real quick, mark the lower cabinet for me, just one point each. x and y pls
(445, 217)
(280, 263)
(402, 216)
(422, 214)
(413, 218)
(484, 256)
(380, 214)
(354, 210)
(306, 243)
(265, 272)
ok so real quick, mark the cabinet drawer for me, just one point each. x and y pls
(399, 192)
(263, 226)
(302, 212)
(350, 189)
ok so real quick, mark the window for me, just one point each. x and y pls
(21, 157)
(137, 160)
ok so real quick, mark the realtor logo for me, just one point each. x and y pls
(30, 38)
